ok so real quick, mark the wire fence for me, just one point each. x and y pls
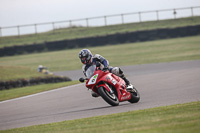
(135, 17)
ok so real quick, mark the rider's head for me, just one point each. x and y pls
(85, 56)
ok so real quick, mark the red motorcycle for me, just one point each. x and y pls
(109, 86)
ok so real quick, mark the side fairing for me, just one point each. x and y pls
(113, 80)
(120, 86)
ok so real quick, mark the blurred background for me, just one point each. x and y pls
(21, 17)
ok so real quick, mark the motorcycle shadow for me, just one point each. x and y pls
(99, 108)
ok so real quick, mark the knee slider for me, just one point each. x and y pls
(117, 71)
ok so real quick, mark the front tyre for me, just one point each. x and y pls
(135, 96)
(109, 98)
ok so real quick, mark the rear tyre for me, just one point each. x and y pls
(135, 96)
(109, 98)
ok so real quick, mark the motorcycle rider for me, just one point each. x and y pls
(88, 59)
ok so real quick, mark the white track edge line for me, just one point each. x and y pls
(23, 97)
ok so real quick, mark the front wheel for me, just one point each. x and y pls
(135, 96)
(108, 97)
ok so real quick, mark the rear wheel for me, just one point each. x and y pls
(135, 96)
(108, 97)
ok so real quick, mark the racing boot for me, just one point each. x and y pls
(129, 86)
(94, 94)
(117, 71)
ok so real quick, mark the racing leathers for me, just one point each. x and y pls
(105, 66)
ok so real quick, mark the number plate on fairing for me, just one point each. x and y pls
(93, 79)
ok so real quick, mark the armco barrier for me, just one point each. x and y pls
(117, 38)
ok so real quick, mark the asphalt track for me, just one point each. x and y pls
(159, 85)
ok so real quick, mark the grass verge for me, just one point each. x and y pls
(166, 50)
(180, 118)
(18, 72)
(24, 91)
(81, 32)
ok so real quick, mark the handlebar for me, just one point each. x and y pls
(82, 79)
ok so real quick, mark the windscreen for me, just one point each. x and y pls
(90, 71)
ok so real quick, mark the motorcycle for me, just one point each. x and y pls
(109, 86)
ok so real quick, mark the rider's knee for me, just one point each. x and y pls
(117, 71)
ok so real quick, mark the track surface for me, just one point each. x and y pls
(159, 85)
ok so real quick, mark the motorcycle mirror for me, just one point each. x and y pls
(82, 80)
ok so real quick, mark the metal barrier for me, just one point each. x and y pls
(136, 17)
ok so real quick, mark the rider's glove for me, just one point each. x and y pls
(105, 69)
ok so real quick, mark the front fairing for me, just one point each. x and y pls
(92, 75)
(96, 76)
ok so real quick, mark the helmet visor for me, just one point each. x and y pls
(83, 60)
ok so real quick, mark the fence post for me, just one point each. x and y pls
(0, 32)
(122, 16)
(70, 23)
(105, 21)
(53, 26)
(192, 11)
(174, 14)
(139, 13)
(35, 28)
(18, 29)
(157, 14)
(87, 23)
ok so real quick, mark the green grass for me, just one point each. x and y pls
(176, 118)
(13, 73)
(167, 50)
(180, 118)
(18, 72)
(24, 91)
(81, 32)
